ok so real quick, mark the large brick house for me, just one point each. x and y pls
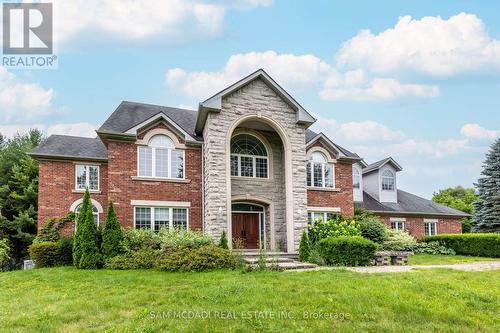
(244, 162)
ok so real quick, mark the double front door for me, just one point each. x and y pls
(246, 229)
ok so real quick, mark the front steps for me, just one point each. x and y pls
(279, 261)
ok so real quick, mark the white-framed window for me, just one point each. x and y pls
(320, 173)
(155, 218)
(430, 227)
(160, 159)
(249, 157)
(95, 213)
(388, 181)
(356, 178)
(320, 216)
(87, 176)
(397, 224)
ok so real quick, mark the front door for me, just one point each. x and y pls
(246, 228)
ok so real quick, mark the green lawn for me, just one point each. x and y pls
(69, 300)
(429, 259)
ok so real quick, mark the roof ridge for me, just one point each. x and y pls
(158, 105)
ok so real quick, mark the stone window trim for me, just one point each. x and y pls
(153, 161)
(95, 204)
(397, 223)
(160, 131)
(329, 161)
(430, 227)
(171, 213)
(87, 167)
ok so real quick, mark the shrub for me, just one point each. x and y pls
(373, 229)
(138, 239)
(45, 254)
(111, 234)
(483, 245)
(347, 251)
(207, 257)
(466, 225)
(140, 259)
(223, 240)
(304, 247)
(432, 248)
(65, 251)
(172, 239)
(333, 228)
(86, 241)
(398, 240)
(4, 253)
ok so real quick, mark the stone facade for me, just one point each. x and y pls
(415, 225)
(256, 98)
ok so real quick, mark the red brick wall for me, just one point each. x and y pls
(342, 198)
(122, 159)
(56, 191)
(415, 225)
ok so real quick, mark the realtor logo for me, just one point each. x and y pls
(28, 30)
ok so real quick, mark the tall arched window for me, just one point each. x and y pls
(249, 157)
(388, 181)
(95, 212)
(356, 178)
(319, 171)
(160, 159)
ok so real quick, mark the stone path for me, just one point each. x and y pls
(470, 266)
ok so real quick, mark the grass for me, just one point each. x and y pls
(70, 300)
(430, 259)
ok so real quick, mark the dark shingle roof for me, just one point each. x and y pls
(130, 114)
(64, 146)
(408, 204)
(378, 164)
(311, 135)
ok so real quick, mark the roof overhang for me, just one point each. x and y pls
(424, 214)
(66, 157)
(332, 147)
(388, 160)
(214, 103)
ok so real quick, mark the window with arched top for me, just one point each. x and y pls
(356, 178)
(249, 157)
(95, 213)
(388, 181)
(320, 172)
(160, 159)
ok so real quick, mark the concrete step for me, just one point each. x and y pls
(256, 254)
(271, 260)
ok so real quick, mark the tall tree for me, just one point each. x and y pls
(88, 255)
(111, 234)
(486, 216)
(458, 198)
(18, 191)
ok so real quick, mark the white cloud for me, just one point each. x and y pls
(75, 129)
(356, 86)
(431, 45)
(475, 131)
(287, 69)
(133, 19)
(20, 101)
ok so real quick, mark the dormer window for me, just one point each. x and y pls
(319, 171)
(388, 181)
(160, 159)
(356, 178)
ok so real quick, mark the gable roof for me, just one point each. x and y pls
(380, 164)
(312, 137)
(214, 103)
(130, 114)
(408, 204)
(71, 147)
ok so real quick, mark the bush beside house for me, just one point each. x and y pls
(111, 234)
(347, 251)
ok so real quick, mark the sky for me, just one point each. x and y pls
(418, 81)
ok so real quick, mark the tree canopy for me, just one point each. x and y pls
(458, 198)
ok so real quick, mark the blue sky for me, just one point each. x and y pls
(419, 81)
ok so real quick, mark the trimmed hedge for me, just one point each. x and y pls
(50, 254)
(140, 259)
(205, 258)
(481, 245)
(347, 251)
